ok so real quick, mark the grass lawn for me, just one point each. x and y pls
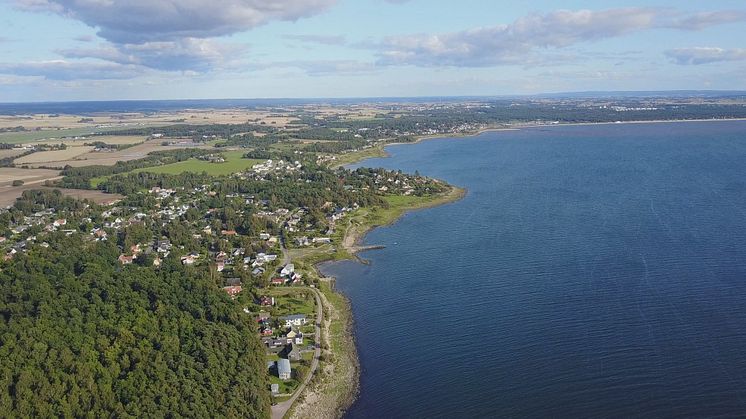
(234, 163)
(288, 305)
(287, 386)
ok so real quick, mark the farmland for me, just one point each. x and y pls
(100, 158)
(8, 195)
(48, 158)
(8, 175)
(11, 153)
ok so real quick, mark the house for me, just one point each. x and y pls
(100, 234)
(322, 240)
(60, 222)
(287, 270)
(264, 236)
(135, 249)
(283, 369)
(188, 260)
(163, 246)
(278, 281)
(220, 266)
(263, 317)
(267, 301)
(292, 352)
(274, 345)
(294, 320)
(233, 291)
(275, 389)
(295, 337)
(126, 260)
(228, 232)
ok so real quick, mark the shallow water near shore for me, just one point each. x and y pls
(590, 271)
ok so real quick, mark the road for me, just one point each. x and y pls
(285, 253)
(280, 410)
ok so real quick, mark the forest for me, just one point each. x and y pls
(83, 337)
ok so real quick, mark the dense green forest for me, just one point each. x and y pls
(83, 337)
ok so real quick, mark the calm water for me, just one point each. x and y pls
(589, 272)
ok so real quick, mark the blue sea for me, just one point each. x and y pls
(590, 272)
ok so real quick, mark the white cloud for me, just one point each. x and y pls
(140, 21)
(705, 55)
(520, 41)
(172, 35)
(190, 54)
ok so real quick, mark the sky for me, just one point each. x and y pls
(58, 50)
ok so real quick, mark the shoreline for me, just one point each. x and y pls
(337, 385)
(519, 127)
(331, 395)
(379, 151)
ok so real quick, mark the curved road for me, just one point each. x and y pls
(280, 410)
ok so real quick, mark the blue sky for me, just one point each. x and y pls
(169, 49)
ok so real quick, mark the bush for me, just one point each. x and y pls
(17, 182)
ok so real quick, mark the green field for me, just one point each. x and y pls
(234, 163)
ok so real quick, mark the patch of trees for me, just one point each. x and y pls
(8, 161)
(103, 145)
(13, 129)
(35, 200)
(82, 336)
(196, 132)
(335, 146)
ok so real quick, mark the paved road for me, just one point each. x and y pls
(280, 410)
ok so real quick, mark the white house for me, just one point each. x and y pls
(295, 320)
(283, 369)
(287, 270)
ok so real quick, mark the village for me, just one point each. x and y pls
(243, 241)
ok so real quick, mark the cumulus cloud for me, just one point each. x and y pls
(705, 55)
(171, 34)
(188, 54)
(518, 42)
(140, 21)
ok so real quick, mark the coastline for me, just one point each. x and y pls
(379, 150)
(337, 386)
